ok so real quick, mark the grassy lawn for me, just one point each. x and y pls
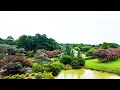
(112, 66)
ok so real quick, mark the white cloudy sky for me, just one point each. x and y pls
(90, 27)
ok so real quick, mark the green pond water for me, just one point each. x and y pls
(85, 74)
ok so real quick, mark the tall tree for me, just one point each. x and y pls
(68, 49)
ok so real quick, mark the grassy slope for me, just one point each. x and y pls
(112, 66)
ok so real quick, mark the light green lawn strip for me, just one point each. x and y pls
(111, 66)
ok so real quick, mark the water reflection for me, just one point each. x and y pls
(85, 74)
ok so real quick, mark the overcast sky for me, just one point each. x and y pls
(89, 27)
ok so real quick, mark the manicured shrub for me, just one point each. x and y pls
(15, 64)
(41, 57)
(75, 64)
(54, 68)
(38, 68)
(13, 68)
(65, 59)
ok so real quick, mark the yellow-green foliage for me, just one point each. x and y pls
(67, 67)
(22, 76)
(45, 75)
(111, 66)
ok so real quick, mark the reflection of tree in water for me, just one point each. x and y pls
(73, 74)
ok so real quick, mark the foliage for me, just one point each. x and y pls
(67, 67)
(90, 52)
(55, 68)
(14, 64)
(9, 49)
(30, 53)
(25, 70)
(21, 76)
(75, 64)
(37, 42)
(38, 68)
(68, 49)
(106, 45)
(27, 63)
(108, 54)
(2, 55)
(65, 59)
(50, 54)
(81, 62)
(85, 49)
(41, 57)
(16, 76)
(45, 75)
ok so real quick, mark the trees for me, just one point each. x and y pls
(107, 45)
(68, 49)
(37, 42)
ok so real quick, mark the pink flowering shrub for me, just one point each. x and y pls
(108, 54)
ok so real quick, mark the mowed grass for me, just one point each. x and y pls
(111, 66)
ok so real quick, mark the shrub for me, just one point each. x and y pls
(108, 54)
(41, 57)
(27, 63)
(45, 75)
(65, 59)
(25, 70)
(75, 64)
(39, 76)
(30, 53)
(90, 52)
(17, 76)
(48, 75)
(13, 68)
(2, 55)
(38, 68)
(67, 67)
(55, 68)
(81, 62)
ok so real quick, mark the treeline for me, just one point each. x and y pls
(30, 43)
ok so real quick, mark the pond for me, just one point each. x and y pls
(85, 74)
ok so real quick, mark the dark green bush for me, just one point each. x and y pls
(65, 59)
(55, 68)
(75, 64)
(38, 68)
(81, 62)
